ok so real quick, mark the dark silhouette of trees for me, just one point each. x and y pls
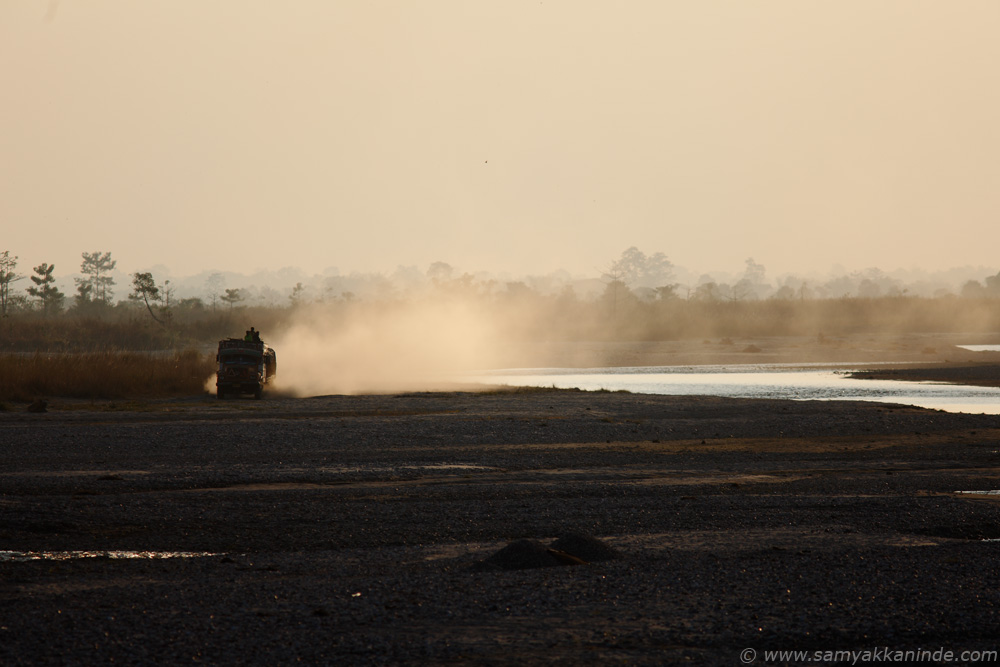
(167, 292)
(8, 263)
(615, 288)
(84, 294)
(192, 303)
(784, 293)
(144, 288)
(440, 272)
(668, 292)
(869, 289)
(706, 291)
(232, 297)
(96, 286)
(973, 289)
(993, 285)
(636, 275)
(48, 295)
(636, 269)
(297, 296)
(214, 285)
(751, 285)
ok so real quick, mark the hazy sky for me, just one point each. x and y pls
(501, 136)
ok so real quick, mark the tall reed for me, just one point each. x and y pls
(109, 374)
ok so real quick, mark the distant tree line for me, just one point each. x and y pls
(974, 289)
(636, 297)
(94, 290)
(634, 274)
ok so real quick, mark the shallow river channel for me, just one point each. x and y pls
(785, 381)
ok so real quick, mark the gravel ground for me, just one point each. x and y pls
(354, 529)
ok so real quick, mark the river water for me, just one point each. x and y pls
(783, 381)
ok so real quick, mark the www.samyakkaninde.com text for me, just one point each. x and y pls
(875, 655)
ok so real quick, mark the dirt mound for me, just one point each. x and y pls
(520, 555)
(570, 549)
(586, 547)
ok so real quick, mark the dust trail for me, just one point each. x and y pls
(399, 346)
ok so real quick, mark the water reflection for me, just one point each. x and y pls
(18, 556)
(796, 382)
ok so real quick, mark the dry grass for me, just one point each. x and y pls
(95, 375)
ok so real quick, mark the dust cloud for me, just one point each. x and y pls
(380, 348)
(445, 337)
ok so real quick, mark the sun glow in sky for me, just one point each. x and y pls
(509, 136)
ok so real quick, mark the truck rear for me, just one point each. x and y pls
(244, 367)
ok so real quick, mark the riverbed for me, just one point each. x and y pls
(351, 530)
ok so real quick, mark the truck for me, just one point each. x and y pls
(244, 367)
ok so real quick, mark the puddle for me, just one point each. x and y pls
(21, 556)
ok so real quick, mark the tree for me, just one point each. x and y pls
(754, 272)
(214, 285)
(973, 289)
(992, 287)
(168, 293)
(297, 295)
(518, 290)
(614, 287)
(706, 291)
(144, 288)
(232, 297)
(96, 266)
(784, 293)
(440, 272)
(709, 290)
(869, 289)
(7, 276)
(193, 303)
(636, 269)
(751, 285)
(48, 295)
(668, 292)
(84, 294)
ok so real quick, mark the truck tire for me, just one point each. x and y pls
(259, 393)
(220, 392)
